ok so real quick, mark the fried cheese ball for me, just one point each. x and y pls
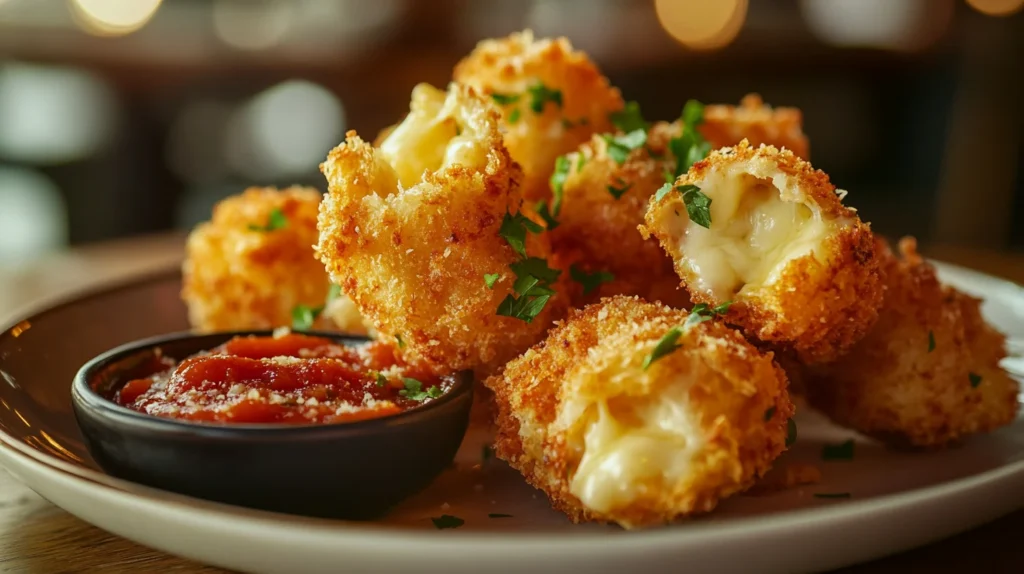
(800, 268)
(552, 98)
(608, 440)
(252, 264)
(410, 230)
(756, 122)
(927, 374)
(602, 204)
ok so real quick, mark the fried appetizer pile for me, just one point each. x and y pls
(927, 373)
(552, 99)
(756, 122)
(625, 413)
(603, 190)
(252, 265)
(762, 229)
(426, 235)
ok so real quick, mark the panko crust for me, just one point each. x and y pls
(819, 307)
(894, 387)
(509, 66)
(238, 278)
(754, 121)
(414, 259)
(598, 232)
(598, 351)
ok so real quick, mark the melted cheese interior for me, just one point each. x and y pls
(753, 234)
(633, 446)
(434, 135)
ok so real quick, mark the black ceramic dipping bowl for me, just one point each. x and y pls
(354, 470)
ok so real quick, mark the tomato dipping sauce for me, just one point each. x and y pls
(287, 379)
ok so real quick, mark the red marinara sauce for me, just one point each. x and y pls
(286, 379)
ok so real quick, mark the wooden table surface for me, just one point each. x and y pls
(36, 536)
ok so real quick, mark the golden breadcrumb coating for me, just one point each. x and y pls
(897, 386)
(410, 229)
(239, 275)
(607, 440)
(756, 122)
(799, 266)
(597, 232)
(539, 125)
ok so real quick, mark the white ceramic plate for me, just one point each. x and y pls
(898, 500)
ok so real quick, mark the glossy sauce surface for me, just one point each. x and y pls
(286, 379)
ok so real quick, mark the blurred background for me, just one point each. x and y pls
(126, 117)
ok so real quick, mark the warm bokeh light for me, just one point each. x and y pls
(888, 24)
(113, 17)
(251, 25)
(700, 24)
(997, 7)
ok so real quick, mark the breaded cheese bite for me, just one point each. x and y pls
(617, 421)
(417, 233)
(252, 264)
(552, 99)
(927, 374)
(763, 229)
(758, 123)
(602, 201)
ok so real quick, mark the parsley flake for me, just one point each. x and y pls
(303, 316)
(831, 495)
(629, 118)
(505, 99)
(398, 339)
(619, 147)
(690, 147)
(618, 191)
(558, 177)
(589, 281)
(663, 191)
(276, 220)
(693, 114)
(703, 312)
(514, 115)
(514, 228)
(698, 205)
(379, 378)
(447, 521)
(540, 95)
(841, 451)
(499, 515)
(931, 341)
(546, 215)
(790, 432)
(768, 414)
(414, 390)
(665, 346)
(490, 279)
(975, 379)
(532, 289)
(334, 292)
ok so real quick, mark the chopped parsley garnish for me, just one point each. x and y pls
(841, 451)
(768, 414)
(629, 118)
(698, 205)
(499, 515)
(277, 220)
(414, 390)
(590, 281)
(619, 147)
(514, 228)
(581, 160)
(447, 521)
(334, 292)
(537, 267)
(931, 341)
(561, 173)
(303, 316)
(618, 191)
(486, 453)
(532, 289)
(975, 379)
(703, 312)
(490, 279)
(790, 432)
(693, 113)
(379, 378)
(690, 147)
(545, 214)
(505, 99)
(514, 115)
(398, 339)
(831, 495)
(540, 95)
(665, 346)
(663, 191)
